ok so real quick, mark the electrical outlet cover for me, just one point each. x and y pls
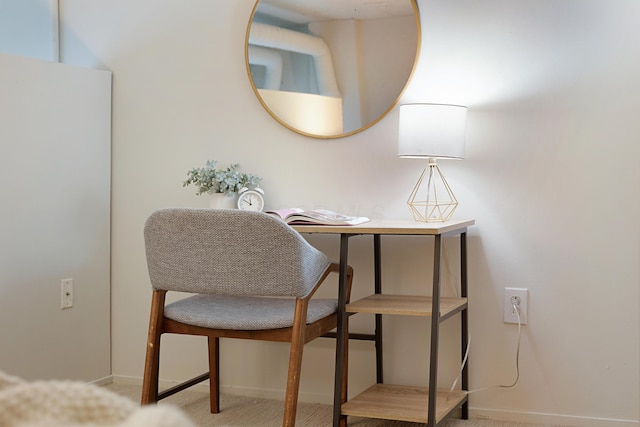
(509, 314)
(66, 290)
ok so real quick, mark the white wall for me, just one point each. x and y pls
(55, 217)
(551, 177)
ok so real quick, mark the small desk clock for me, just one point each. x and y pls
(251, 200)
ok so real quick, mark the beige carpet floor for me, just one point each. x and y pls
(241, 411)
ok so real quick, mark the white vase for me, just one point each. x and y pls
(222, 201)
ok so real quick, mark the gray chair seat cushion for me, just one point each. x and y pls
(244, 313)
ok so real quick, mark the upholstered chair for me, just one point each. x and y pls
(250, 276)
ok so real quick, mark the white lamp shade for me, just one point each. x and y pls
(431, 131)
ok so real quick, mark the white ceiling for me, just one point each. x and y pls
(304, 11)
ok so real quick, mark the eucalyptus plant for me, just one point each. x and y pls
(228, 181)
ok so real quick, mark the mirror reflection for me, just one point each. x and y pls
(331, 68)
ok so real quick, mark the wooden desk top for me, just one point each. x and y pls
(388, 226)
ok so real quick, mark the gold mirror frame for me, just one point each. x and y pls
(272, 103)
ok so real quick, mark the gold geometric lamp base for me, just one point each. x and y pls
(432, 199)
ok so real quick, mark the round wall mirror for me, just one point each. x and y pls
(331, 68)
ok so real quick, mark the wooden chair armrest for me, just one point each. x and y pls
(334, 267)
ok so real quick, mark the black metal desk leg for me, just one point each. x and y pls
(435, 328)
(464, 318)
(340, 389)
(377, 257)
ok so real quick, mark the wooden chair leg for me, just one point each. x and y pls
(214, 374)
(152, 360)
(295, 363)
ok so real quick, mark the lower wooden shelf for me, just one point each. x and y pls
(402, 403)
(406, 305)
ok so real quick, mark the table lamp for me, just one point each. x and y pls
(432, 131)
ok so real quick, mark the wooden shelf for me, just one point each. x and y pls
(403, 403)
(406, 305)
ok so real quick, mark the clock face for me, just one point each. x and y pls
(251, 201)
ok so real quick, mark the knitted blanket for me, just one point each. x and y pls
(77, 404)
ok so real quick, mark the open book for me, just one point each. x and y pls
(295, 216)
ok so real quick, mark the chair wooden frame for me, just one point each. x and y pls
(297, 335)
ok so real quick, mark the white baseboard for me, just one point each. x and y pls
(548, 419)
(103, 381)
(475, 413)
(124, 380)
(234, 390)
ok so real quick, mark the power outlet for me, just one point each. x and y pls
(519, 298)
(66, 293)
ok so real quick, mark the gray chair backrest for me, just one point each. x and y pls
(233, 252)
